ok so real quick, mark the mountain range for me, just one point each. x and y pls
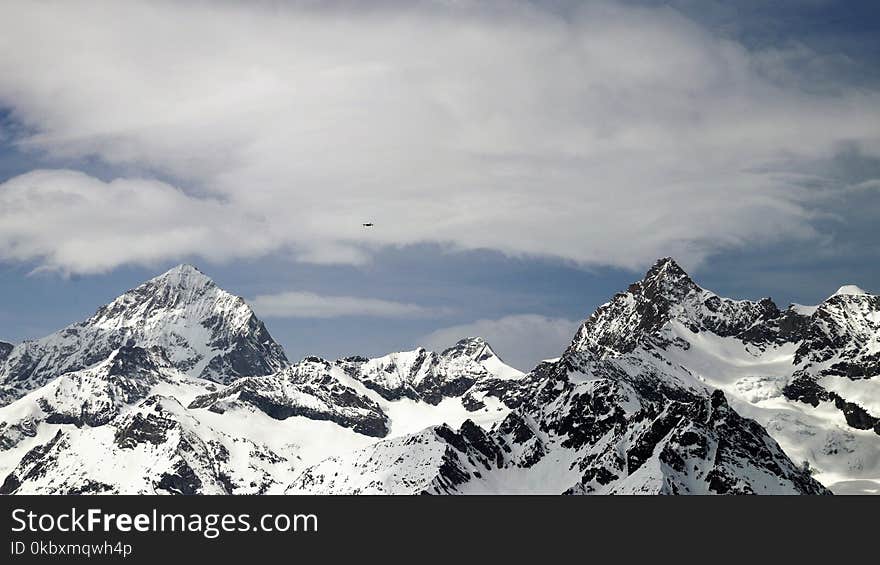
(177, 387)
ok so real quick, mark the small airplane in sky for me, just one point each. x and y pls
(369, 225)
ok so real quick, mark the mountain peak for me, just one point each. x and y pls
(617, 326)
(478, 350)
(666, 269)
(665, 263)
(184, 276)
(666, 281)
(849, 290)
(473, 347)
(667, 292)
(183, 288)
(474, 341)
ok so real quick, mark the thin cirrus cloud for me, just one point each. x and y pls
(522, 340)
(610, 136)
(296, 304)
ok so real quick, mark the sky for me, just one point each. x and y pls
(522, 161)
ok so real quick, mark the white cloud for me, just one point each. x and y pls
(522, 340)
(614, 137)
(76, 223)
(310, 305)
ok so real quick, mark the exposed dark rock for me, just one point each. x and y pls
(5, 350)
(804, 388)
(183, 480)
(139, 428)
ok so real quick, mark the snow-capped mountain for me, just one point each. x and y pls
(843, 337)
(637, 317)
(666, 389)
(94, 396)
(805, 373)
(204, 330)
(428, 376)
(287, 420)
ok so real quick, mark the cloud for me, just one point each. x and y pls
(76, 223)
(522, 340)
(310, 305)
(610, 136)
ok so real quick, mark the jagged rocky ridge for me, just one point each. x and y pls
(205, 331)
(351, 392)
(637, 317)
(667, 389)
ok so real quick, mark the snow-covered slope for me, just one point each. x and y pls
(94, 396)
(204, 330)
(265, 429)
(120, 427)
(156, 448)
(435, 460)
(175, 424)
